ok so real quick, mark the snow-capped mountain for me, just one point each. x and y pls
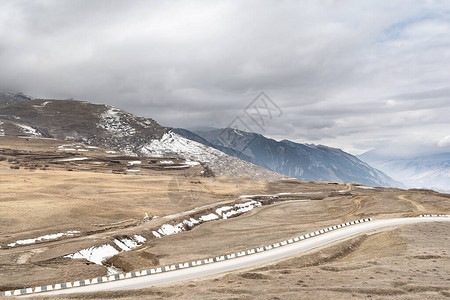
(302, 161)
(224, 152)
(110, 127)
(427, 171)
(172, 144)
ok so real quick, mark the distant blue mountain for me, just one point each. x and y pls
(426, 171)
(302, 161)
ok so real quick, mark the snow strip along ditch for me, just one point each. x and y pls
(43, 238)
(223, 212)
(101, 253)
(174, 267)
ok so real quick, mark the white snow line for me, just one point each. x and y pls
(140, 238)
(74, 159)
(43, 238)
(209, 217)
(166, 162)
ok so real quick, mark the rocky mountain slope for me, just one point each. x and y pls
(195, 137)
(224, 152)
(9, 98)
(428, 171)
(302, 161)
(110, 127)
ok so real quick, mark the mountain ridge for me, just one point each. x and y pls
(225, 151)
(302, 161)
(110, 127)
(423, 171)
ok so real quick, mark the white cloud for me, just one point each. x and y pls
(444, 142)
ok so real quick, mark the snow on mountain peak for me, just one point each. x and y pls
(172, 144)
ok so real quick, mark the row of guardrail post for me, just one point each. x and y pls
(66, 285)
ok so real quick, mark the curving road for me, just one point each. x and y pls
(246, 261)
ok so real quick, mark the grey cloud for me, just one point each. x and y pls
(353, 74)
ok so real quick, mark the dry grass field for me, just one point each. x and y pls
(103, 201)
(408, 262)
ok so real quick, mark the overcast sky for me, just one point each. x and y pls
(351, 74)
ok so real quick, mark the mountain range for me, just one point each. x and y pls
(426, 171)
(302, 161)
(109, 127)
(225, 151)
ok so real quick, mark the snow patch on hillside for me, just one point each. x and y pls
(365, 187)
(191, 222)
(111, 121)
(95, 254)
(43, 238)
(166, 162)
(74, 159)
(140, 238)
(172, 144)
(126, 244)
(209, 217)
(42, 105)
(29, 130)
(223, 212)
(168, 229)
(99, 254)
(237, 209)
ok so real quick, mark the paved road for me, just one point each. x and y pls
(246, 261)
